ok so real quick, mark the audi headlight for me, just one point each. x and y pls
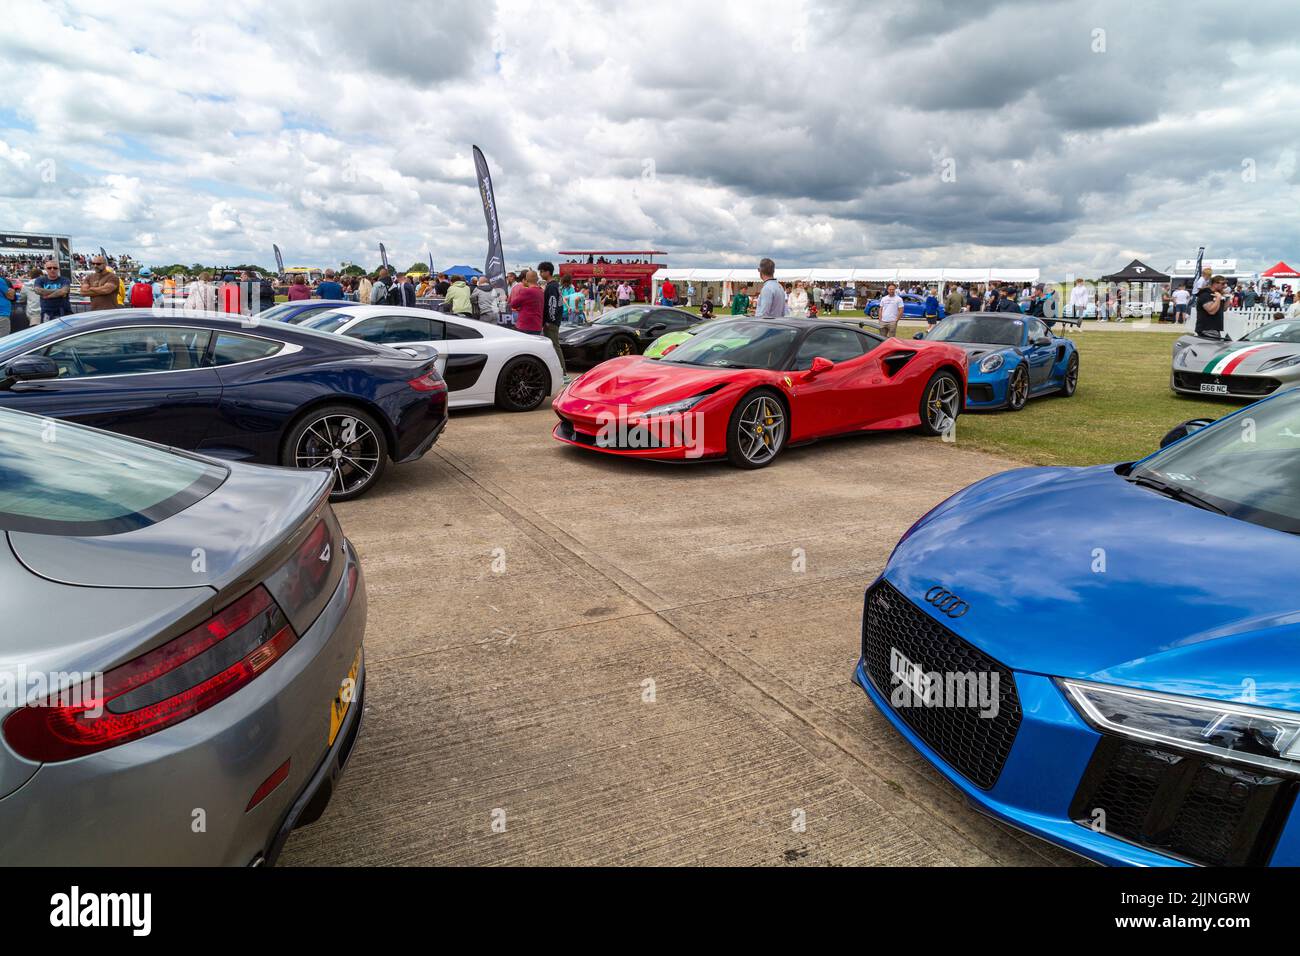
(991, 363)
(676, 408)
(1235, 732)
(1285, 362)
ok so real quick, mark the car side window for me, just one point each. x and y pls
(1037, 330)
(670, 320)
(838, 345)
(130, 351)
(456, 331)
(395, 329)
(231, 348)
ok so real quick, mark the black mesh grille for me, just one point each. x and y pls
(1237, 384)
(1183, 805)
(975, 746)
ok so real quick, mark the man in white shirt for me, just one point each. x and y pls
(1182, 304)
(891, 310)
(1079, 297)
(624, 294)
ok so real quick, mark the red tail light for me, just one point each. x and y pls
(278, 776)
(428, 382)
(669, 349)
(171, 683)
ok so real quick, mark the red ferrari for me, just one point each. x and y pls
(746, 388)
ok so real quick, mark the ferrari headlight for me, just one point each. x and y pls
(991, 363)
(1179, 345)
(676, 408)
(1235, 732)
(1284, 362)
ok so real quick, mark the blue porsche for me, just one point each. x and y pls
(244, 390)
(1121, 675)
(1013, 357)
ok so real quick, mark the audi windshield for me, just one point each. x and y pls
(1247, 466)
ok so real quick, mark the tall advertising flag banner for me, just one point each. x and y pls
(383, 256)
(495, 267)
(431, 273)
(1196, 276)
(279, 259)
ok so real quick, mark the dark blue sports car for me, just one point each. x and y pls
(246, 390)
(1107, 657)
(1013, 357)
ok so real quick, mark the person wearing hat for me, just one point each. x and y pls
(1210, 306)
(141, 296)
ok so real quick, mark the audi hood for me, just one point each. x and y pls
(1076, 572)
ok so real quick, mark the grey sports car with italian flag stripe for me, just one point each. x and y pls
(1262, 362)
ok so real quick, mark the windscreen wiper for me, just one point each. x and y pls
(1177, 492)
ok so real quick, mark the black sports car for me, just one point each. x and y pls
(625, 331)
(267, 392)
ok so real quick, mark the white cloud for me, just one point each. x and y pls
(814, 130)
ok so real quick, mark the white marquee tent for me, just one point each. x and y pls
(938, 277)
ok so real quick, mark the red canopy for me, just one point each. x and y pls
(1281, 271)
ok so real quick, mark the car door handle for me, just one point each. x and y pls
(174, 395)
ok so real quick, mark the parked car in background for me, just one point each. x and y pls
(268, 392)
(623, 331)
(482, 363)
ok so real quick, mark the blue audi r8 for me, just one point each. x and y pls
(913, 307)
(1120, 676)
(1013, 357)
(245, 390)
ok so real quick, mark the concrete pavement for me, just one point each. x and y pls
(578, 660)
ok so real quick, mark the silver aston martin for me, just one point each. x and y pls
(181, 672)
(1260, 363)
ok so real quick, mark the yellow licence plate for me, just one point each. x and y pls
(343, 699)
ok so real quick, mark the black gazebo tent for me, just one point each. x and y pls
(1136, 271)
(1139, 272)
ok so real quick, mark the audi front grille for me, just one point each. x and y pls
(974, 745)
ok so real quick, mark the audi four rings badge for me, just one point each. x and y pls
(946, 601)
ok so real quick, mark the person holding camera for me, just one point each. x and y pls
(1211, 303)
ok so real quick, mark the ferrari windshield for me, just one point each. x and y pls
(979, 329)
(1276, 332)
(1247, 466)
(745, 344)
(628, 315)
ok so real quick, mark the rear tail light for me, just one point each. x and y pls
(670, 348)
(311, 565)
(428, 382)
(171, 683)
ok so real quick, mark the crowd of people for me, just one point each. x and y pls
(33, 290)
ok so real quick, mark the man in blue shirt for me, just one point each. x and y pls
(54, 289)
(329, 288)
(7, 296)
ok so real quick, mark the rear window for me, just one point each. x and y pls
(231, 348)
(58, 478)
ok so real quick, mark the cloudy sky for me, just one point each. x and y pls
(1067, 136)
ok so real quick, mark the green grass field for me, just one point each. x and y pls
(1122, 408)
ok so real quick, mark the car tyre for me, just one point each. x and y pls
(523, 384)
(619, 345)
(874, 312)
(757, 430)
(1071, 381)
(315, 436)
(940, 403)
(1018, 389)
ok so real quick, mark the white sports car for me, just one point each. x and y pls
(482, 363)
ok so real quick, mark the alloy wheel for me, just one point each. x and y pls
(344, 443)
